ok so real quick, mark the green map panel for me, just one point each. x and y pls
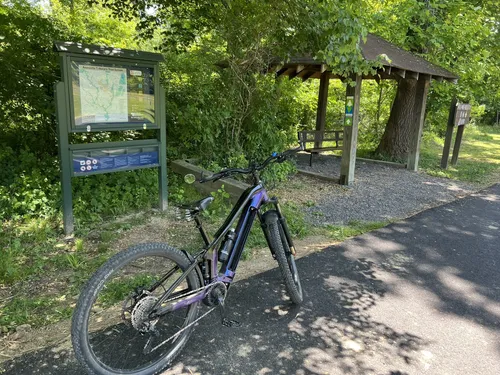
(108, 94)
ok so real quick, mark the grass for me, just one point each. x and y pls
(479, 157)
(353, 228)
(478, 161)
(117, 291)
(16, 262)
(36, 311)
(41, 274)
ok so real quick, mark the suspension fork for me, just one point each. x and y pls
(283, 224)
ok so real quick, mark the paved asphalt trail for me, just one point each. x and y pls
(421, 296)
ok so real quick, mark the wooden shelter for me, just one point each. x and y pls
(398, 63)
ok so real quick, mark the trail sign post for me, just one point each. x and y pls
(108, 89)
(459, 116)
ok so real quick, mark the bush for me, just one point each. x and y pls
(28, 185)
(215, 118)
(30, 188)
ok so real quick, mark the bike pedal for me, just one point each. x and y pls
(230, 323)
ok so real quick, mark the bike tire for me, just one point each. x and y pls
(286, 260)
(90, 305)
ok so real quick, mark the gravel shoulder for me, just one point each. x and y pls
(379, 193)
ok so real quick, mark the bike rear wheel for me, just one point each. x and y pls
(112, 332)
(285, 258)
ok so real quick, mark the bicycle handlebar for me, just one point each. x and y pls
(275, 157)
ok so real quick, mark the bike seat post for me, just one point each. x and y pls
(203, 233)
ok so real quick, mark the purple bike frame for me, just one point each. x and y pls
(247, 207)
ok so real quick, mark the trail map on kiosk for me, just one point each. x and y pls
(103, 94)
(106, 95)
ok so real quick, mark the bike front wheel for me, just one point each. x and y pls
(112, 330)
(286, 260)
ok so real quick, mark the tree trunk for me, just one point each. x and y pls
(395, 142)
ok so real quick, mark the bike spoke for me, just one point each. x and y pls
(120, 313)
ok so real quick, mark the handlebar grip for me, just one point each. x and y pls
(202, 180)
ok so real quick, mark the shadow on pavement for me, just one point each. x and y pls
(452, 251)
(395, 301)
(332, 328)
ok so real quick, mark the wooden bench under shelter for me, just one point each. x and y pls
(316, 138)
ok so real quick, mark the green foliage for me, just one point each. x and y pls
(28, 68)
(113, 194)
(221, 204)
(79, 245)
(10, 269)
(456, 34)
(74, 261)
(24, 249)
(297, 224)
(117, 291)
(30, 188)
(28, 185)
(247, 29)
(256, 239)
(34, 311)
(211, 117)
(353, 228)
(278, 172)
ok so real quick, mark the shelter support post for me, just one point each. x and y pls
(322, 102)
(348, 162)
(416, 135)
(449, 134)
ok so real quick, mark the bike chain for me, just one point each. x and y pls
(146, 351)
(224, 321)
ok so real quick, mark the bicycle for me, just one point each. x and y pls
(136, 313)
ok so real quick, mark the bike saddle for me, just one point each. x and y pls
(198, 206)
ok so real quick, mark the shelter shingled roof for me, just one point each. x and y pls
(400, 63)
